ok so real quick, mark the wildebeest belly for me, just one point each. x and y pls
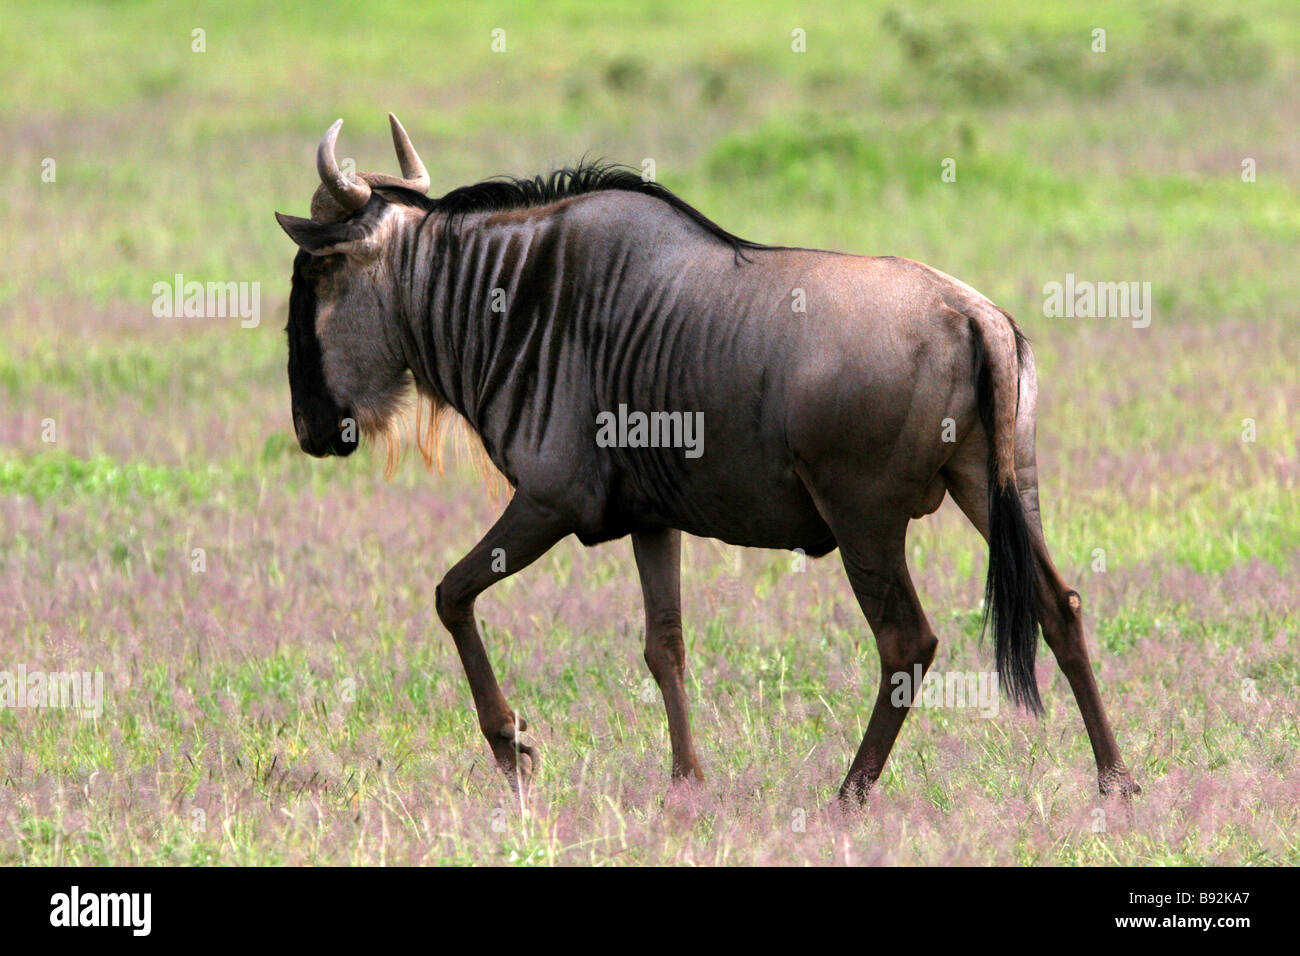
(749, 496)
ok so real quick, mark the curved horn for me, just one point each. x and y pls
(349, 193)
(413, 171)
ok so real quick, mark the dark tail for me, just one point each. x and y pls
(1009, 598)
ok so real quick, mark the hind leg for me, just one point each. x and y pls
(1059, 610)
(1061, 617)
(906, 645)
(871, 542)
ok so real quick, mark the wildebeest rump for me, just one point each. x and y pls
(841, 397)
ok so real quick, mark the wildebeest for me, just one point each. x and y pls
(842, 396)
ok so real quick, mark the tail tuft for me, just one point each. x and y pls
(1009, 597)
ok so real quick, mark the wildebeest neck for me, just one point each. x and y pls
(515, 315)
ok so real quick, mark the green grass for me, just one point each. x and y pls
(100, 482)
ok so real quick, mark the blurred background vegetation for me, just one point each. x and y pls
(170, 159)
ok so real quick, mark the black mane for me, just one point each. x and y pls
(508, 192)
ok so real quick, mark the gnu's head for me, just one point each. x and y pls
(345, 372)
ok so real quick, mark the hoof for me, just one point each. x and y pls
(1118, 782)
(517, 753)
(691, 778)
(854, 792)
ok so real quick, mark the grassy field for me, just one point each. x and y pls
(277, 686)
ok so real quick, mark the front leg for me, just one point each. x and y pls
(525, 531)
(658, 559)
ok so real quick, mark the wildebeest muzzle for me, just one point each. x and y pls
(320, 435)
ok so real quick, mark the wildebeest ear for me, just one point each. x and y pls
(328, 238)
